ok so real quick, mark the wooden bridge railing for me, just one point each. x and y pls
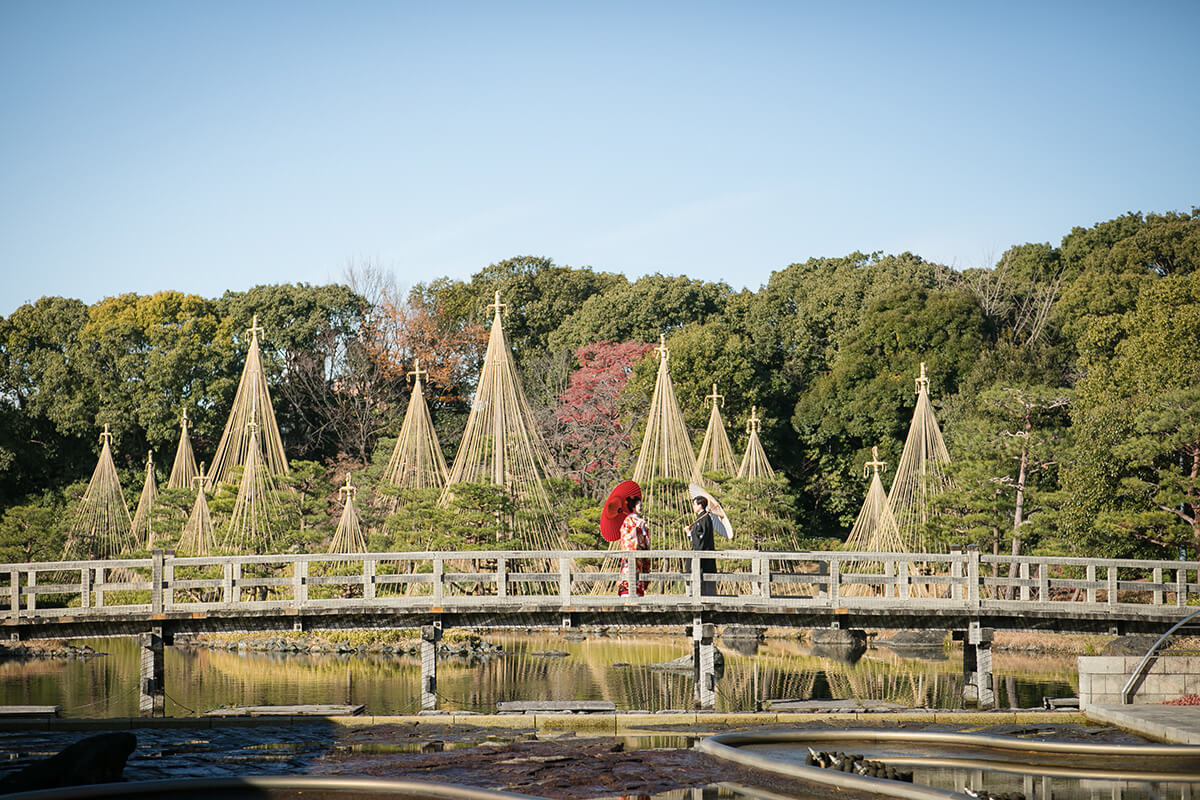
(495, 580)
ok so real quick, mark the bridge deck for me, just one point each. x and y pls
(556, 588)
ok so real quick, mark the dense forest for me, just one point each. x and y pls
(1065, 379)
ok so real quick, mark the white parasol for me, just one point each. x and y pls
(721, 523)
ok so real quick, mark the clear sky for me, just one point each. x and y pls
(205, 146)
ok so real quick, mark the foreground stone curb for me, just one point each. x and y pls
(602, 724)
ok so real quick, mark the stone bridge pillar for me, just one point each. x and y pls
(704, 670)
(430, 635)
(151, 689)
(977, 666)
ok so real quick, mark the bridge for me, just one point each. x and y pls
(966, 591)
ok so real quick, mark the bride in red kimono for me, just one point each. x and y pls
(634, 536)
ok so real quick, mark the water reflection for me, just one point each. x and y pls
(198, 680)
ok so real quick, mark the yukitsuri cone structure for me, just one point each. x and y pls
(921, 475)
(256, 506)
(417, 461)
(143, 535)
(183, 470)
(348, 538)
(754, 462)
(101, 527)
(502, 446)
(715, 453)
(666, 455)
(875, 530)
(251, 404)
(198, 538)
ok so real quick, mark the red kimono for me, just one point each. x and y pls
(634, 536)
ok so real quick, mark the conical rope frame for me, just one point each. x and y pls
(502, 446)
(921, 474)
(666, 454)
(256, 506)
(198, 537)
(715, 453)
(417, 461)
(142, 530)
(874, 531)
(251, 404)
(101, 527)
(754, 462)
(348, 538)
(183, 470)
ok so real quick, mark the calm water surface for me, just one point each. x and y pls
(619, 669)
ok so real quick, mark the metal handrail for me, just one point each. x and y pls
(1127, 690)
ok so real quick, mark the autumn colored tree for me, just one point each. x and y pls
(591, 441)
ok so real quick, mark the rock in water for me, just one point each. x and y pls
(96, 759)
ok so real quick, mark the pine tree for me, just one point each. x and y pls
(502, 446)
(101, 527)
(251, 404)
(715, 453)
(143, 535)
(416, 461)
(665, 461)
(183, 470)
(921, 474)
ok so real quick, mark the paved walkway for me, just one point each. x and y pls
(1174, 724)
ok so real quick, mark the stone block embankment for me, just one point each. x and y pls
(1102, 678)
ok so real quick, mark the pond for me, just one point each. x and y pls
(615, 668)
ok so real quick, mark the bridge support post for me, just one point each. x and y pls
(430, 634)
(151, 689)
(977, 666)
(704, 671)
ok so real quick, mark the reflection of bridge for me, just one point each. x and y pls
(967, 591)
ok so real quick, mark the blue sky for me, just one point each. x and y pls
(218, 145)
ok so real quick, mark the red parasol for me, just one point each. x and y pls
(616, 509)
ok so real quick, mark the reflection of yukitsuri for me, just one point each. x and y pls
(101, 527)
(754, 462)
(874, 531)
(348, 538)
(912, 685)
(256, 506)
(921, 475)
(416, 461)
(502, 445)
(251, 404)
(183, 470)
(665, 462)
(715, 453)
(763, 676)
(143, 535)
(198, 538)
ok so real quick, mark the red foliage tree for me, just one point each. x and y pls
(594, 421)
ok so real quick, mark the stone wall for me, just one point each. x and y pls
(1101, 679)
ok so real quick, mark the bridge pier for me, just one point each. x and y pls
(977, 666)
(151, 688)
(704, 671)
(430, 634)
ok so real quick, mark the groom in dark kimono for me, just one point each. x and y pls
(701, 534)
